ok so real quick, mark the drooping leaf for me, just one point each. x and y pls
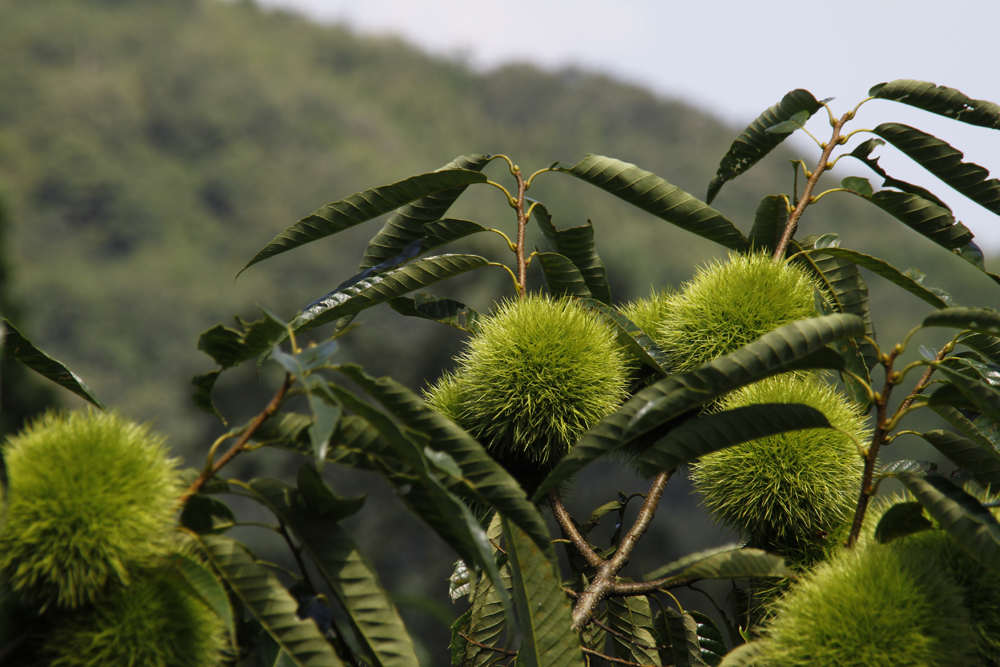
(657, 197)
(900, 520)
(207, 588)
(489, 481)
(713, 644)
(204, 514)
(17, 347)
(725, 563)
(269, 602)
(561, 276)
(975, 453)
(798, 345)
(925, 217)
(383, 287)
(202, 396)
(685, 649)
(320, 500)
(718, 430)
(409, 222)
(755, 141)
(231, 347)
(984, 396)
(542, 608)
(447, 311)
(486, 620)
(945, 162)
(577, 245)
(944, 101)
(769, 223)
(862, 152)
(363, 206)
(373, 616)
(979, 320)
(970, 524)
(631, 337)
(796, 122)
(632, 620)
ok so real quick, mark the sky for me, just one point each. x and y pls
(732, 58)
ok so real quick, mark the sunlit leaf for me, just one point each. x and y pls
(713, 644)
(726, 563)
(17, 347)
(231, 347)
(744, 655)
(859, 185)
(631, 337)
(561, 275)
(900, 520)
(795, 346)
(989, 346)
(906, 465)
(634, 638)
(654, 195)
(755, 142)
(447, 311)
(577, 245)
(944, 101)
(979, 320)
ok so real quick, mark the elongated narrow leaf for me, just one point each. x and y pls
(979, 320)
(561, 275)
(383, 287)
(409, 221)
(988, 346)
(269, 602)
(363, 206)
(542, 607)
(738, 563)
(970, 524)
(984, 396)
(202, 396)
(231, 347)
(945, 162)
(350, 575)
(794, 346)
(446, 311)
(861, 186)
(634, 639)
(713, 644)
(657, 197)
(704, 435)
(924, 217)
(207, 587)
(911, 282)
(900, 520)
(755, 141)
(685, 649)
(577, 245)
(204, 514)
(906, 465)
(981, 458)
(489, 481)
(17, 347)
(944, 101)
(631, 337)
(486, 618)
(769, 223)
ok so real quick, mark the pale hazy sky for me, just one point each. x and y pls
(732, 58)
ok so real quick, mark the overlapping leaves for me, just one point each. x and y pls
(940, 100)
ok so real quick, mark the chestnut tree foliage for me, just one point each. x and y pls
(483, 456)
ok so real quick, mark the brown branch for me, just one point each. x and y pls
(485, 647)
(265, 414)
(604, 582)
(625, 589)
(611, 659)
(924, 379)
(522, 222)
(570, 532)
(793, 219)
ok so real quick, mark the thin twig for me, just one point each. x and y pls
(625, 589)
(611, 659)
(603, 583)
(297, 552)
(522, 221)
(485, 647)
(924, 380)
(806, 199)
(569, 530)
(265, 414)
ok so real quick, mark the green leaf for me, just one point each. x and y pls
(320, 501)
(984, 396)
(17, 347)
(486, 621)
(383, 287)
(202, 396)
(632, 619)
(207, 587)
(709, 433)
(350, 575)
(863, 152)
(684, 645)
(561, 275)
(795, 346)
(446, 311)
(906, 465)
(755, 141)
(796, 122)
(988, 346)
(654, 195)
(630, 336)
(976, 453)
(744, 655)
(900, 520)
(410, 221)
(231, 347)
(542, 607)
(769, 223)
(970, 524)
(979, 320)
(204, 514)
(269, 602)
(363, 206)
(578, 246)
(947, 102)
(489, 482)
(945, 162)
(725, 563)
(858, 185)
(713, 644)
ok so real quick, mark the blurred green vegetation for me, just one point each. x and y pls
(149, 149)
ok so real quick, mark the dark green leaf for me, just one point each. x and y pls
(755, 142)
(631, 337)
(383, 287)
(446, 311)
(924, 216)
(854, 363)
(941, 100)
(458, 644)
(230, 347)
(725, 563)
(207, 587)
(269, 602)
(363, 206)
(984, 396)
(203, 395)
(718, 430)
(410, 221)
(980, 320)
(561, 276)
(960, 515)
(685, 648)
(352, 578)
(713, 644)
(654, 195)
(577, 245)
(794, 346)
(486, 621)
(204, 515)
(796, 122)
(542, 607)
(863, 152)
(322, 502)
(17, 347)
(906, 465)
(977, 453)
(858, 185)
(769, 223)
(945, 162)
(632, 620)
(988, 346)
(900, 520)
